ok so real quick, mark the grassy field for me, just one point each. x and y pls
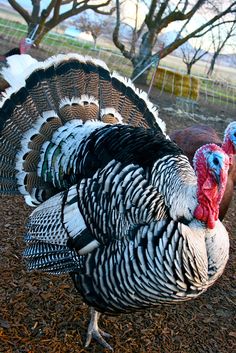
(223, 73)
(220, 89)
(17, 28)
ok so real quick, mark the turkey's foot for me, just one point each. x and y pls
(95, 332)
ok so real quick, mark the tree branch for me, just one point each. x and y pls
(57, 8)
(115, 34)
(172, 46)
(158, 17)
(177, 16)
(208, 29)
(35, 11)
(96, 8)
(75, 11)
(48, 10)
(21, 11)
(149, 16)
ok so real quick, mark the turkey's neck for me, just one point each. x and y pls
(209, 195)
(228, 146)
(174, 178)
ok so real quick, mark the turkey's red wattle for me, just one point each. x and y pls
(208, 197)
(228, 146)
(207, 216)
(210, 192)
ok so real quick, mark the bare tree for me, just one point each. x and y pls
(220, 37)
(41, 21)
(191, 55)
(160, 14)
(95, 26)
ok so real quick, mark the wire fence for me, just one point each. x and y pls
(217, 92)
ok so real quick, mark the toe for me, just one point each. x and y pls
(97, 335)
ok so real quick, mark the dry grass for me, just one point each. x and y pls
(44, 314)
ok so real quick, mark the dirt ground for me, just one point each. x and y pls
(44, 314)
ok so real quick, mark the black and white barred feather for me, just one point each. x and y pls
(112, 191)
(162, 262)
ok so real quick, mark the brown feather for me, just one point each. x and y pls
(31, 161)
(36, 142)
(79, 111)
(109, 119)
(50, 126)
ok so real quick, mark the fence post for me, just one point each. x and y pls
(157, 60)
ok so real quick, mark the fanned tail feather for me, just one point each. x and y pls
(64, 88)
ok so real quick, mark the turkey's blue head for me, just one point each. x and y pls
(229, 143)
(211, 165)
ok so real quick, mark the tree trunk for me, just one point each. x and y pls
(140, 75)
(41, 32)
(143, 62)
(212, 64)
(189, 68)
(31, 27)
(94, 41)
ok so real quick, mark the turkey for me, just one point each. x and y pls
(118, 205)
(13, 64)
(191, 138)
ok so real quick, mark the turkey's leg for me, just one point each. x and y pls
(95, 332)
